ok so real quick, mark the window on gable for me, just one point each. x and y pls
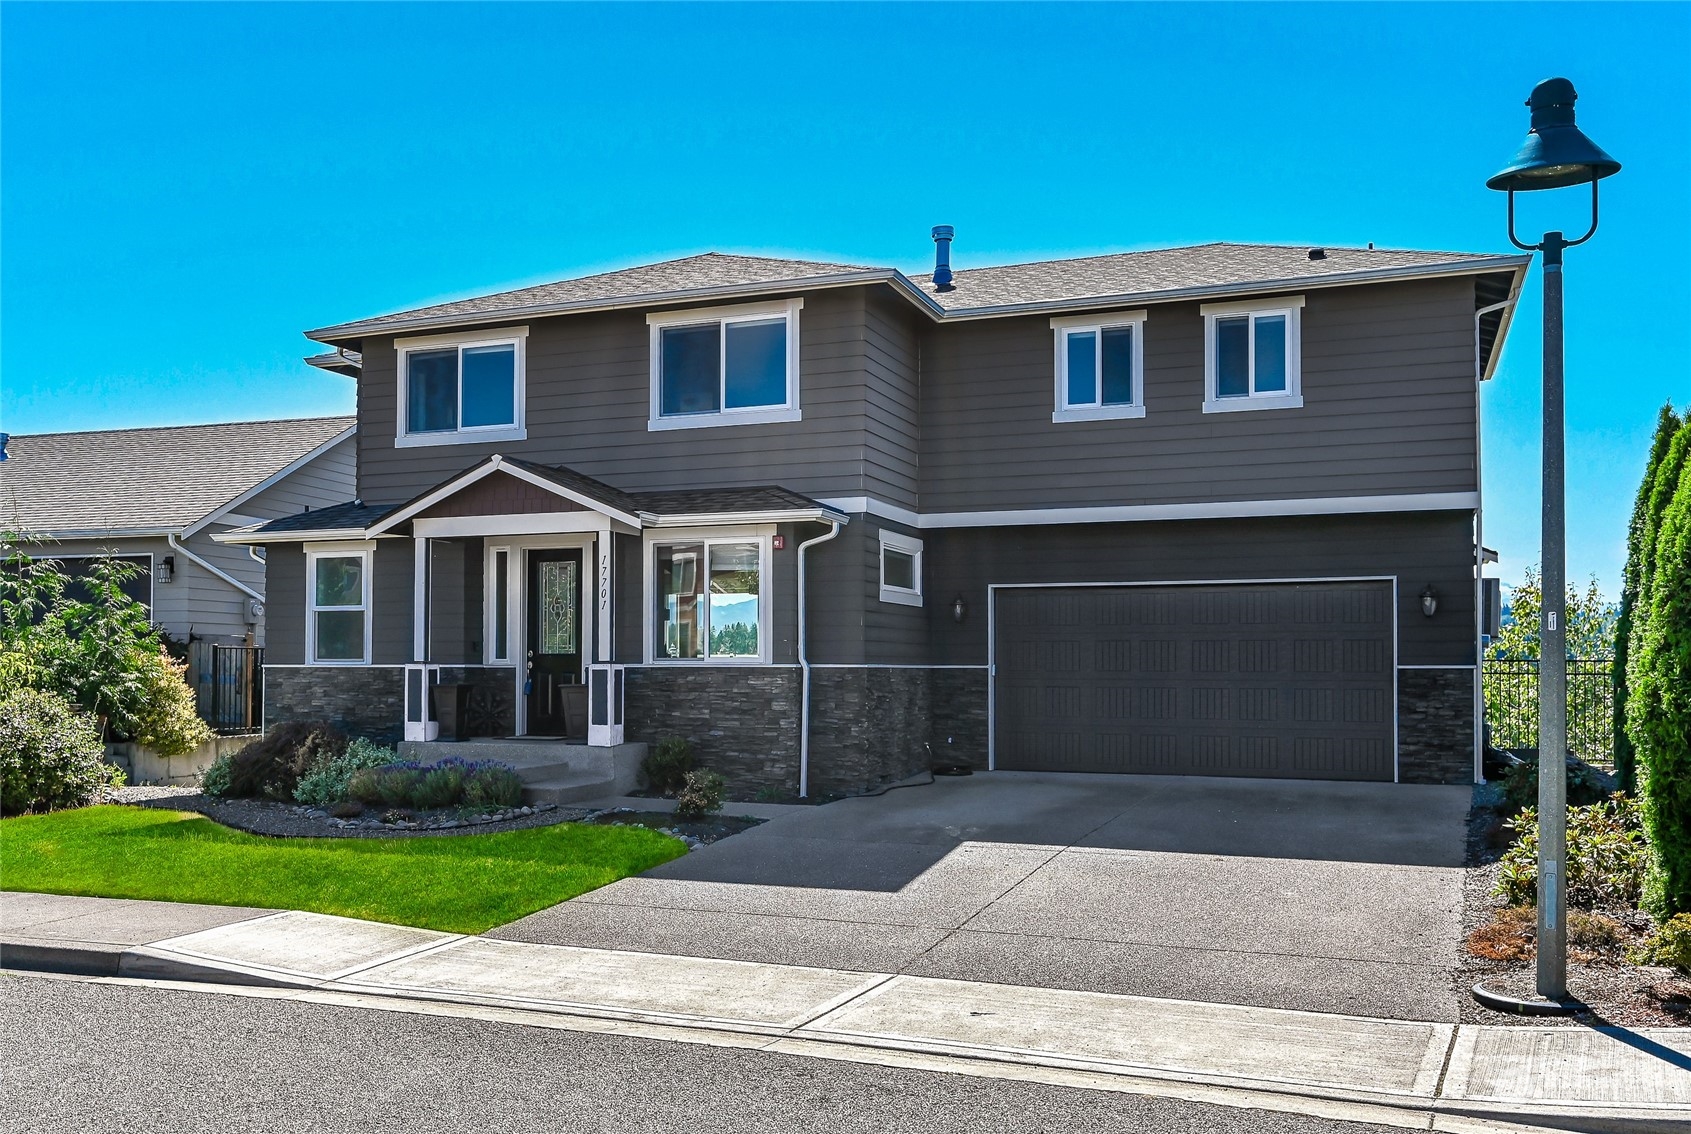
(461, 391)
(1099, 364)
(1251, 355)
(725, 366)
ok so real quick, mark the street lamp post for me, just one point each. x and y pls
(1556, 154)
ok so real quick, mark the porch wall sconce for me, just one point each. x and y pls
(165, 572)
(1429, 601)
(959, 609)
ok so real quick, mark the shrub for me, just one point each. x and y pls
(328, 782)
(167, 720)
(701, 794)
(1588, 930)
(271, 766)
(1659, 700)
(491, 784)
(1670, 945)
(51, 756)
(667, 764)
(440, 786)
(1586, 785)
(1608, 858)
(216, 779)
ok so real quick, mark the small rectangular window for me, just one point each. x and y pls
(1251, 355)
(339, 608)
(452, 391)
(724, 366)
(1098, 367)
(498, 629)
(709, 600)
(901, 569)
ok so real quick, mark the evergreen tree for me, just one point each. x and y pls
(1659, 701)
(1668, 423)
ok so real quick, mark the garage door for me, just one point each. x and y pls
(1285, 680)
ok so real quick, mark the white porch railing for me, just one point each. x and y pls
(604, 704)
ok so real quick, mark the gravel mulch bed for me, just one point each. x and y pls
(1615, 990)
(291, 820)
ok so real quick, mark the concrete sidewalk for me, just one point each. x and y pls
(1588, 1079)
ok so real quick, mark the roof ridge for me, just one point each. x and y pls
(353, 418)
(1206, 244)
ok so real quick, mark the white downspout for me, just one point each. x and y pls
(1479, 548)
(170, 538)
(804, 663)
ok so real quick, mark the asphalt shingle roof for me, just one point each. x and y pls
(1169, 269)
(157, 478)
(698, 501)
(710, 271)
(354, 514)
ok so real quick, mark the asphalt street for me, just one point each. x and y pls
(95, 1057)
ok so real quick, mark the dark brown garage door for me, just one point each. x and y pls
(1284, 680)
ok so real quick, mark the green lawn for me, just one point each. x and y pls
(459, 883)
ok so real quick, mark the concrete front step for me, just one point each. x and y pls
(552, 771)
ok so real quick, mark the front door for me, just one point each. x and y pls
(557, 700)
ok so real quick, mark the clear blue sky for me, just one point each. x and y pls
(183, 189)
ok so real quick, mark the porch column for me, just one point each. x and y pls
(420, 599)
(602, 593)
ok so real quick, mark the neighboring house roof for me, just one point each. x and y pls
(1082, 282)
(769, 503)
(153, 480)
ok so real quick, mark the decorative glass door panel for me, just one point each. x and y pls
(552, 683)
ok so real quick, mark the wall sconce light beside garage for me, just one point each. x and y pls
(1429, 601)
(959, 609)
(165, 571)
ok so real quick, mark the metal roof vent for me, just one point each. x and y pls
(942, 257)
(1318, 253)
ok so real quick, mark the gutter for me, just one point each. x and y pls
(804, 663)
(221, 574)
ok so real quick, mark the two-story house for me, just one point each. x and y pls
(1208, 510)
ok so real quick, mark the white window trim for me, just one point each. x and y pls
(1061, 328)
(515, 337)
(1292, 397)
(762, 534)
(364, 550)
(893, 541)
(736, 313)
(490, 623)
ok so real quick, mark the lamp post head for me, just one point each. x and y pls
(1556, 153)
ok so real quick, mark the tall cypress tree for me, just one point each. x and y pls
(1659, 706)
(1668, 423)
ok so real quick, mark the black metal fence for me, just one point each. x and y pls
(1511, 704)
(229, 686)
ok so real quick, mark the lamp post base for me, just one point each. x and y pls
(1535, 1006)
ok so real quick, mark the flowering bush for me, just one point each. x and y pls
(451, 782)
(51, 755)
(701, 794)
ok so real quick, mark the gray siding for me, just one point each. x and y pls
(392, 598)
(587, 408)
(1389, 407)
(1418, 548)
(330, 479)
(284, 604)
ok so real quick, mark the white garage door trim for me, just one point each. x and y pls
(992, 590)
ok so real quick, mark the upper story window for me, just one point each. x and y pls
(725, 365)
(1100, 365)
(337, 580)
(455, 389)
(1252, 355)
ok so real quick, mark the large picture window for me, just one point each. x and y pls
(708, 600)
(1252, 355)
(338, 604)
(455, 390)
(725, 365)
(1099, 366)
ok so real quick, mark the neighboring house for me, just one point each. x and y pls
(1168, 511)
(157, 496)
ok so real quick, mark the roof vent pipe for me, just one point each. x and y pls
(942, 257)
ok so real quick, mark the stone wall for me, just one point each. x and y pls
(359, 700)
(868, 728)
(1435, 726)
(957, 716)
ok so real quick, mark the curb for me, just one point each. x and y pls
(92, 959)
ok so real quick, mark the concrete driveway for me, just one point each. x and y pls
(1332, 897)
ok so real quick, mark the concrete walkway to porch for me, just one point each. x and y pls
(1319, 896)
